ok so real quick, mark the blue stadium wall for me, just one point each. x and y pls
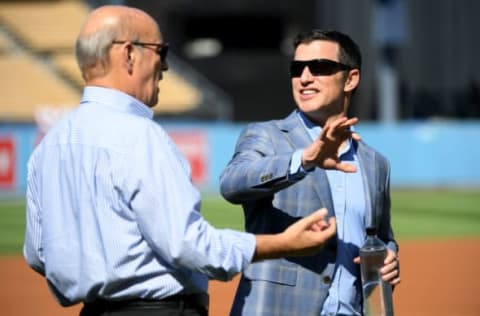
(422, 154)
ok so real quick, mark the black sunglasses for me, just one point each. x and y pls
(160, 48)
(318, 67)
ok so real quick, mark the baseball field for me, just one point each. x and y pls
(438, 232)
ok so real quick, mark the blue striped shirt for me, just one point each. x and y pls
(112, 212)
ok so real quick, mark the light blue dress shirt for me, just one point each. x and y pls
(347, 190)
(112, 212)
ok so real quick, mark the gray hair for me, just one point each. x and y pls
(93, 49)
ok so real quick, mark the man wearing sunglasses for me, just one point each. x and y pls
(113, 219)
(279, 170)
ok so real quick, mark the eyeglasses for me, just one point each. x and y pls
(160, 48)
(318, 67)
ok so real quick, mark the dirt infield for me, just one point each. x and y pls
(438, 279)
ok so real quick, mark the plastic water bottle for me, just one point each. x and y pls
(377, 294)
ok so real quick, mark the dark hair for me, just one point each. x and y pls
(349, 51)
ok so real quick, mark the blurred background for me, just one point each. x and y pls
(418, 101)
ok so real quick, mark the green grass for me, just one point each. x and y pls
(222, 214)
(12, 226)
(416, 214)
(436, 213)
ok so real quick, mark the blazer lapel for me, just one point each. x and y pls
(299, 138)
(367, 164)
(322, 187)
(294, 130)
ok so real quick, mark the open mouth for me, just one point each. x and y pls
(308, 91)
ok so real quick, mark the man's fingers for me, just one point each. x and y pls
(393, 277)
(395, 281)
(350, 122)
(339, 128)
(346, 167)
(316, 216)
(332, 227)
(344, 123)
(317, 227)
(337, 122)
(356, 137)
(391, 258)
(316, 221)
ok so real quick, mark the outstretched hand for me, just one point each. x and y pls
(303, 238)
(323, 152)
(309, 234)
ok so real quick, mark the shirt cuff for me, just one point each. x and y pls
(248, 244)
(296, 169)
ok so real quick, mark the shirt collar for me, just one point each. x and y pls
(116, 99)
(315, 130)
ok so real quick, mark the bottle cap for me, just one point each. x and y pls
(371, 231)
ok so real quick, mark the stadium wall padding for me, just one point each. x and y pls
(422, 154)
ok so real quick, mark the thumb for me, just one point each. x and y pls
(332, 227)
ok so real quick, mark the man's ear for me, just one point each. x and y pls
(352, 80)
(129, 57)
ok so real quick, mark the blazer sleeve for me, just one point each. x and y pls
(259, 166)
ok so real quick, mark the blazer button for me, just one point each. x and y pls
(327, 280)
(266, 177)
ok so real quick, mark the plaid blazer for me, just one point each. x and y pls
(257, 177)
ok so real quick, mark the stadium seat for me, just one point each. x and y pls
(28, 86)
(46, 72)
(4, 44)
(44, 26)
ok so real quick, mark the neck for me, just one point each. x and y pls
(329, 113)
(320, 119)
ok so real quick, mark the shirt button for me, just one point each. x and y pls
(327, 280)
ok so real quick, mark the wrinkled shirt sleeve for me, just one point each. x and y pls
(167, 206)
(32, 249)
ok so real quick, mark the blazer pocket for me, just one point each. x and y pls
(272, 272)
